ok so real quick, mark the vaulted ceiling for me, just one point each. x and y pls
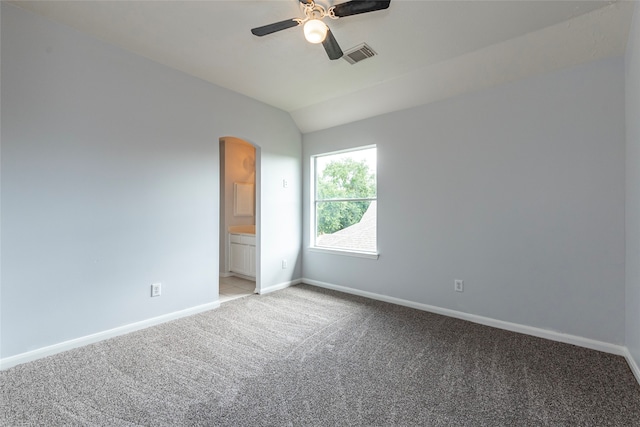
(426, 50)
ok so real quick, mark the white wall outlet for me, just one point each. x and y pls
(156, 289)
(458, 285)
(284, 264)
(285, 183)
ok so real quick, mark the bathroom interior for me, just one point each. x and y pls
(237, 219)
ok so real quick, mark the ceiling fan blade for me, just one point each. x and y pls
(276, 26)
(355, 7)
(331, 46)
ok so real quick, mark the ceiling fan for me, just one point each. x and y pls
(316, 31)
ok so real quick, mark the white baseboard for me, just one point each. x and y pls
(227, 274)
(29, 356)
(279, 286)
(632, 364)
(514, 327)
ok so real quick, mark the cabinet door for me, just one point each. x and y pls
(237, 257)
(251, 250)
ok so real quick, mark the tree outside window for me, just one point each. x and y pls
(345, 200)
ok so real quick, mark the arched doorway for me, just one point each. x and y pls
(239, 218)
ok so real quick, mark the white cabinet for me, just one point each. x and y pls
(242, 254)
(252, 259)
(237, 258)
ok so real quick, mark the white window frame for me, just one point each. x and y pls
(313, 209)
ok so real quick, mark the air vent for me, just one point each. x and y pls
(358, 53)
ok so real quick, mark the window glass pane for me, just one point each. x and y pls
(346, 175)
(345, 202)
(347, 225)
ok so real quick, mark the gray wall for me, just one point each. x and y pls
(517, 190)
(633, 188)
(110, 182)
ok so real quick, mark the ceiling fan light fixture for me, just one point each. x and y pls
(315, 31)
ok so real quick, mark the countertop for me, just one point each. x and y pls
(242, 229)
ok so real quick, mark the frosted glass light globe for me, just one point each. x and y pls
(315, 31)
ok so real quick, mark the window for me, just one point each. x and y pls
(344, 214)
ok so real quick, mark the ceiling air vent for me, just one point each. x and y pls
(358, 53)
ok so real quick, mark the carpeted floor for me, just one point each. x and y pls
(305, 356)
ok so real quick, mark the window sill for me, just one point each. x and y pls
(346, 252)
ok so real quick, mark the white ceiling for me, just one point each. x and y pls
(427, 50)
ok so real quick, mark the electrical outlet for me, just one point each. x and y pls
(458, 285)
(285, 183)
(156, 289)
(284, 264)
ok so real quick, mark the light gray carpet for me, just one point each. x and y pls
(305, 356)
